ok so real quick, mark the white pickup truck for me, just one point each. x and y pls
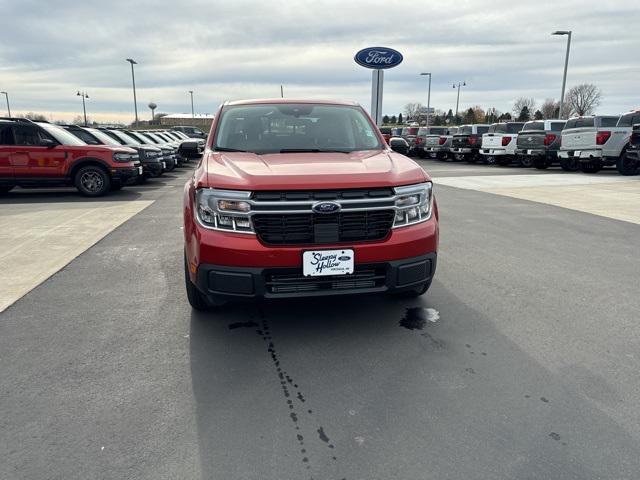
(596, 141)
(499, 143)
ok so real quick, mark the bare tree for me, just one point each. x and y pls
(550, 108)
(522, 102)
(412, 111)
(36, 117)
(582, 99)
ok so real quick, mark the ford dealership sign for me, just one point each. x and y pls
(378, 57)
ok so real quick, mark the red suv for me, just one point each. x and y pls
(39, 154)
(298, 198)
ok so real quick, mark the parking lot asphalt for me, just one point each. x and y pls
(520, 362)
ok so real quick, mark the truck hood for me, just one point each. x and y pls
(302, 171)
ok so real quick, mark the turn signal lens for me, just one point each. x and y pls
(233, 206)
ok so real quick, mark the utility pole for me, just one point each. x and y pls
(460, 84)
(192, 111)
(566, 65)
(428, 98)
(84, 108)
(281, 91)
(7, 98)
(133, 78)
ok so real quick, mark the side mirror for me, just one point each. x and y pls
(47, 142)
(399, 147)
(192, 149)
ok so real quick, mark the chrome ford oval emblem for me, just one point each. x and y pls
(326, 207)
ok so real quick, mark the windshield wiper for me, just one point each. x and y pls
(311, 150)
(225, 149)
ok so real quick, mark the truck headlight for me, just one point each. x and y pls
(122, 157)
(413, 204)
(224, 209)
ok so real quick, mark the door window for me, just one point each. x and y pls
(27, 135)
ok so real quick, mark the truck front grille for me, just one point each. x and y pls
(295, 282)
(311, 228)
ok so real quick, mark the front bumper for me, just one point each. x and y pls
(245, 283)
(152, 169)
(126, 175)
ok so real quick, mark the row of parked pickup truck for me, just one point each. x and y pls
(586, 143)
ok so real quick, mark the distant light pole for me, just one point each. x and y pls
(428, 97)
(566, 64)
(281, 91)
(133, 78)
(460, 84)
(84, 108)
(192, 111)
(7, 97)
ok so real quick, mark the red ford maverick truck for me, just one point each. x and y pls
(296, 198)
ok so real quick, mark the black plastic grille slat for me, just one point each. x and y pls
(283, 229)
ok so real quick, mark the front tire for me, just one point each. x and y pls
(416, 291)
(92, 181)
(196, 299)
(627, 165)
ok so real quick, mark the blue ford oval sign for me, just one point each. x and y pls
(378, 57)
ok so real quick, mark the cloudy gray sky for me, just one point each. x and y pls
(246, 49)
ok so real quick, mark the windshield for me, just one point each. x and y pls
(533, 126)
(103, 137)
(125, 138)
(151, 138)
(271, 128)
(139, 137)
(61, 135)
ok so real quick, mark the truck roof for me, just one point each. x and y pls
(258, 101)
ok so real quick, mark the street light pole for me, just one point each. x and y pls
(566, 65)
(84, 108)
(7, 97)
(428, 97)
(133, 78)
(463, 84)
(192, 111)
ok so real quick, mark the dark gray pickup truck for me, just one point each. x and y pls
(538, 143)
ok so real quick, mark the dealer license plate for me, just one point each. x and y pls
(316, 263)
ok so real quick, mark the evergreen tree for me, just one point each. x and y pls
(400, 120)
(385, 119)
(394, 119)
(538, 115)
(470, 116)
(525, 115)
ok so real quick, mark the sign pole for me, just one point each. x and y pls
(377, 83)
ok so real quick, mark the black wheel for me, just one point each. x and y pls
(591, 167)
(421, 154)
(415, 292)
(5, 189)
(92, 181)
(525, 161)
(570, 164)
(458, 157)
(433, 155)
(490, 160)
(540, 163)
(627, 165)
(195, 297)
